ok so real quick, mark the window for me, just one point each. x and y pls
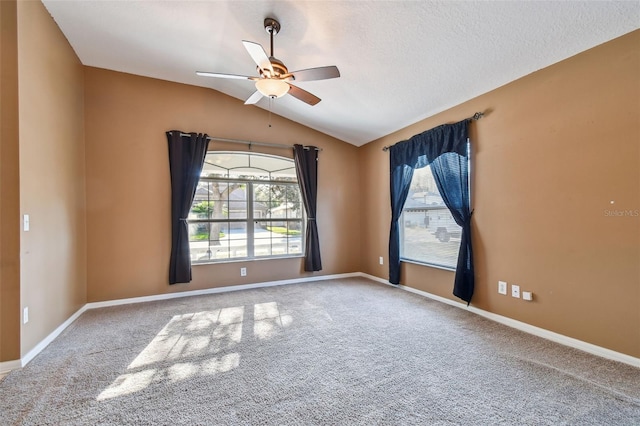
(428, 232)
(246, 206)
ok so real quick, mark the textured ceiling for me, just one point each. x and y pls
(401, 61)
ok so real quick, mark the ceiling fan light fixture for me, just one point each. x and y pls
(272, 88)
(273, 76)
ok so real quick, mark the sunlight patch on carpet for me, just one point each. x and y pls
(187, 342)
(127, 384)
(267, 320)
(194, 335)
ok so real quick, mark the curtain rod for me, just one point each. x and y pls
(250, 143)
(476, 116)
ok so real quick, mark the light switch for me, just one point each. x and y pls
(26, 222)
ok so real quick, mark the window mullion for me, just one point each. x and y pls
(401, 234)
(250, 221)
(209, 217)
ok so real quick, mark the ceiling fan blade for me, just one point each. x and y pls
(220, 75)
(253, 99)
(258, 55)
(303, 95)
(320, 73)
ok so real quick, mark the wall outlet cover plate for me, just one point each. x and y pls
(515, 291)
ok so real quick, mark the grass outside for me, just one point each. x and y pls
(203, 236)
(282, 230)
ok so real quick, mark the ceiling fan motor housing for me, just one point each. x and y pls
(279, 68)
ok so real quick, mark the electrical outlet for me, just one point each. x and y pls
(502, 287)
(381, 260)
(527, 295)
(243, 272)
(25, 315)
(515, 291)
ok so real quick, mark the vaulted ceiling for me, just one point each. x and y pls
(400, 61)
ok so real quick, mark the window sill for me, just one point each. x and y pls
(246, 259)
(430, 265)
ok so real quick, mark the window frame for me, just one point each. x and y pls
(402, 224)
(250, 220)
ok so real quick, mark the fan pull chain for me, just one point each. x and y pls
(270, 100)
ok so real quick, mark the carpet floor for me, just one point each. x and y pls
(339, 352)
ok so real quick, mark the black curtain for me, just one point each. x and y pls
(306, 160)
(401, 176)
(186, 158)
(444, 148)
(451, 173)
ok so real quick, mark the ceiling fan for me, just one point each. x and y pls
(274, 78)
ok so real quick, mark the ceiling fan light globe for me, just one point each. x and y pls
(272, 88)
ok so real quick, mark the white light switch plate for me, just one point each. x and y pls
(502, 287)
(26, 222)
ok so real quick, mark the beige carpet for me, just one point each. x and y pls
(336, 352)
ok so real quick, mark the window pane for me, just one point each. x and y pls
(220, 250)
(237, 230)
(199, 241)
(261, 197)
(262, 245)
(219, 233)
(279, 246)
(431, 236)
(272, 200)
(288, 175)
(238, 249)
(262, 237)
(261, 192)
(294, 211)
(293, 194)
(295, 245)
(202, 205)
(211, 170)
(295, 237)
(237, 194)
(221, 212)
(275, 195)
(428, 231)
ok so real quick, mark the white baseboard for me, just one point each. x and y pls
(167, 296)
(6, 366)
(522, 326)
(55, 333)
(528, 328)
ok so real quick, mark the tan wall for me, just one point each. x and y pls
(9, 186)
(128, 187)
(556, 147)
(52, 185)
